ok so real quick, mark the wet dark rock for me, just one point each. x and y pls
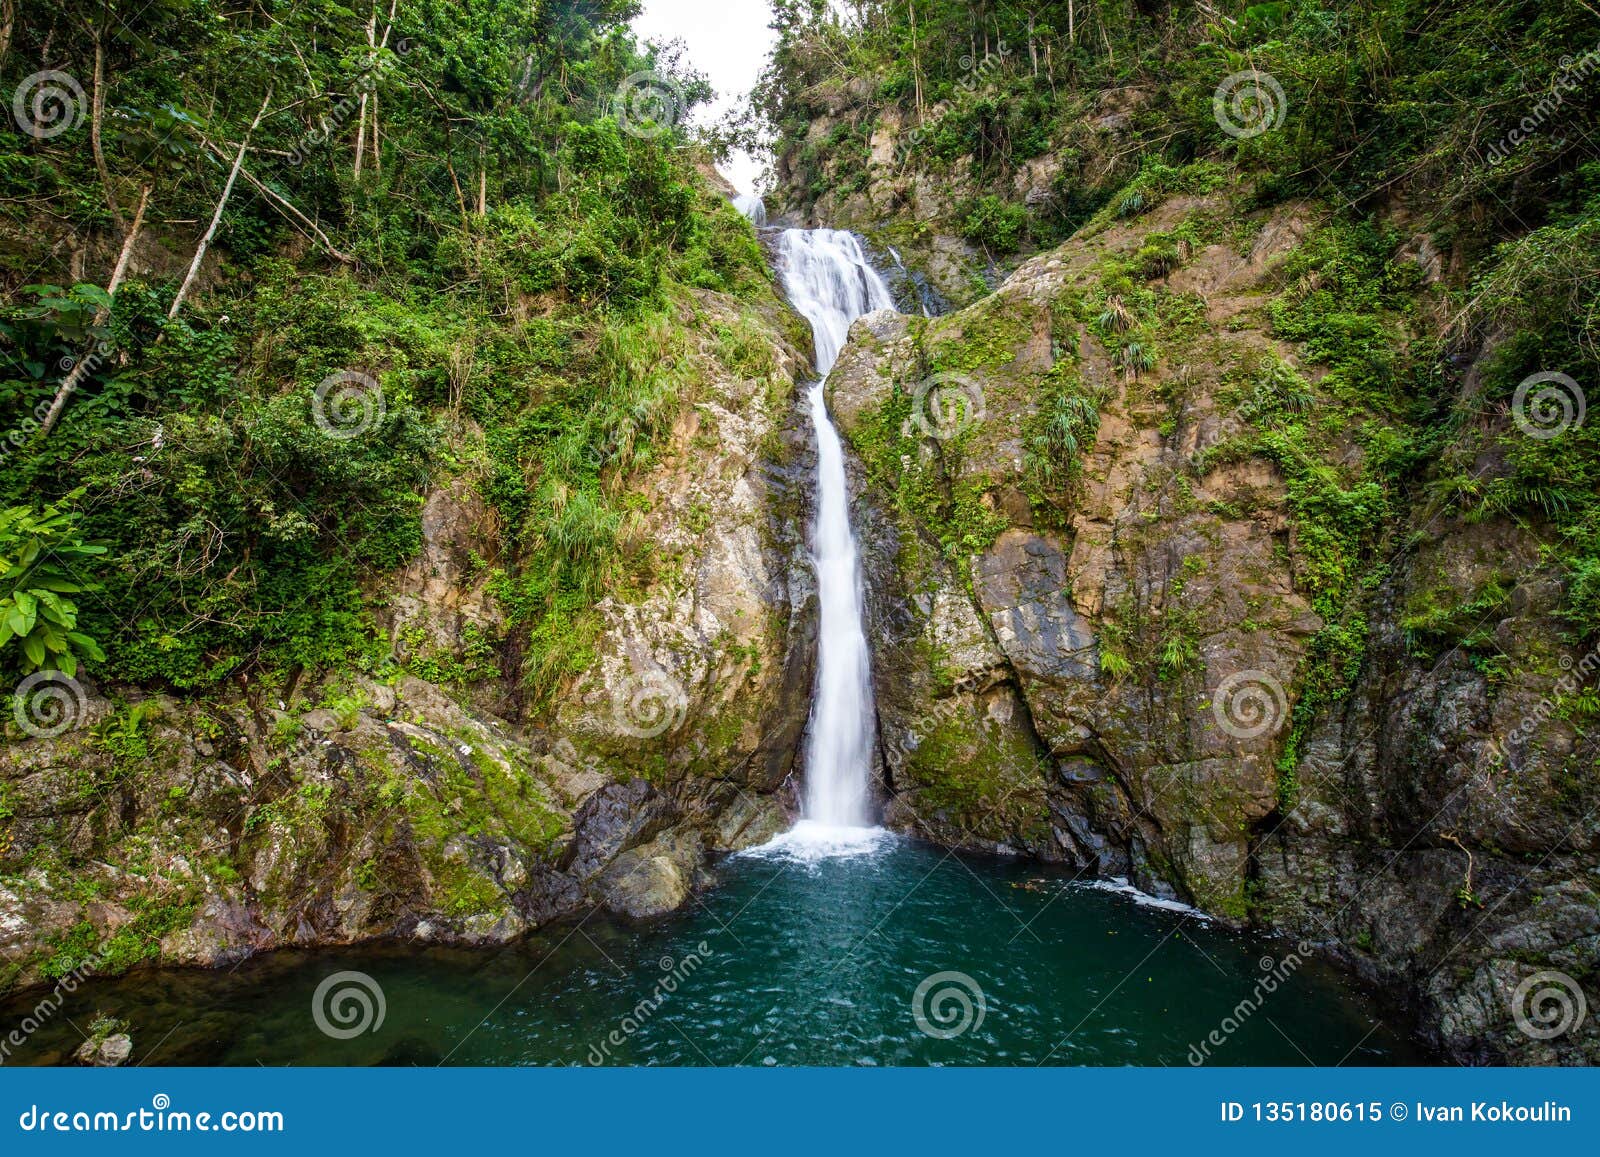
(614, 819)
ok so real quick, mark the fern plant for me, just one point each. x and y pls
(41, 559)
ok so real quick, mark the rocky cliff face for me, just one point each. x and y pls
(419, 797)
(1133, 613)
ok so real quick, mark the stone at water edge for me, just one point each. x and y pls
(108, 1053)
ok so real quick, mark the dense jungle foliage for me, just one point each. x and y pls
(1474, 124)
(442, 255)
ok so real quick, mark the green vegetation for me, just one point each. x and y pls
(1117, 96)
(41, 555)
(447, 212)
(994, 224)
(1427, 240)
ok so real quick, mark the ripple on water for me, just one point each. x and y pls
(811, 950)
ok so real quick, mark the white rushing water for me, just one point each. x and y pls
(752, 207)
(829, 281)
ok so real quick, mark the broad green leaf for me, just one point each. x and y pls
(86, 644)
(93, 293)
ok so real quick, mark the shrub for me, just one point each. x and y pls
(42, 558)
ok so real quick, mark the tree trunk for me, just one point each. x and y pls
(97, 115)
(916, 58)
(361, 135)
(8, 21)
(388, 27)
(287, 208)
(216, 218)
(361, 113)
(483, 183)
(80, 368)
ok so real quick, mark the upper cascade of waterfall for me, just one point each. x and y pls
(752, 207)
(829, 280)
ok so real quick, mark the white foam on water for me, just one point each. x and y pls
(810, 842)
(1120, 887)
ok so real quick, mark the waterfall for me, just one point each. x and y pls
(829, 281)
(752, 207)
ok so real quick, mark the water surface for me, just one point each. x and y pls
(788, 963)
